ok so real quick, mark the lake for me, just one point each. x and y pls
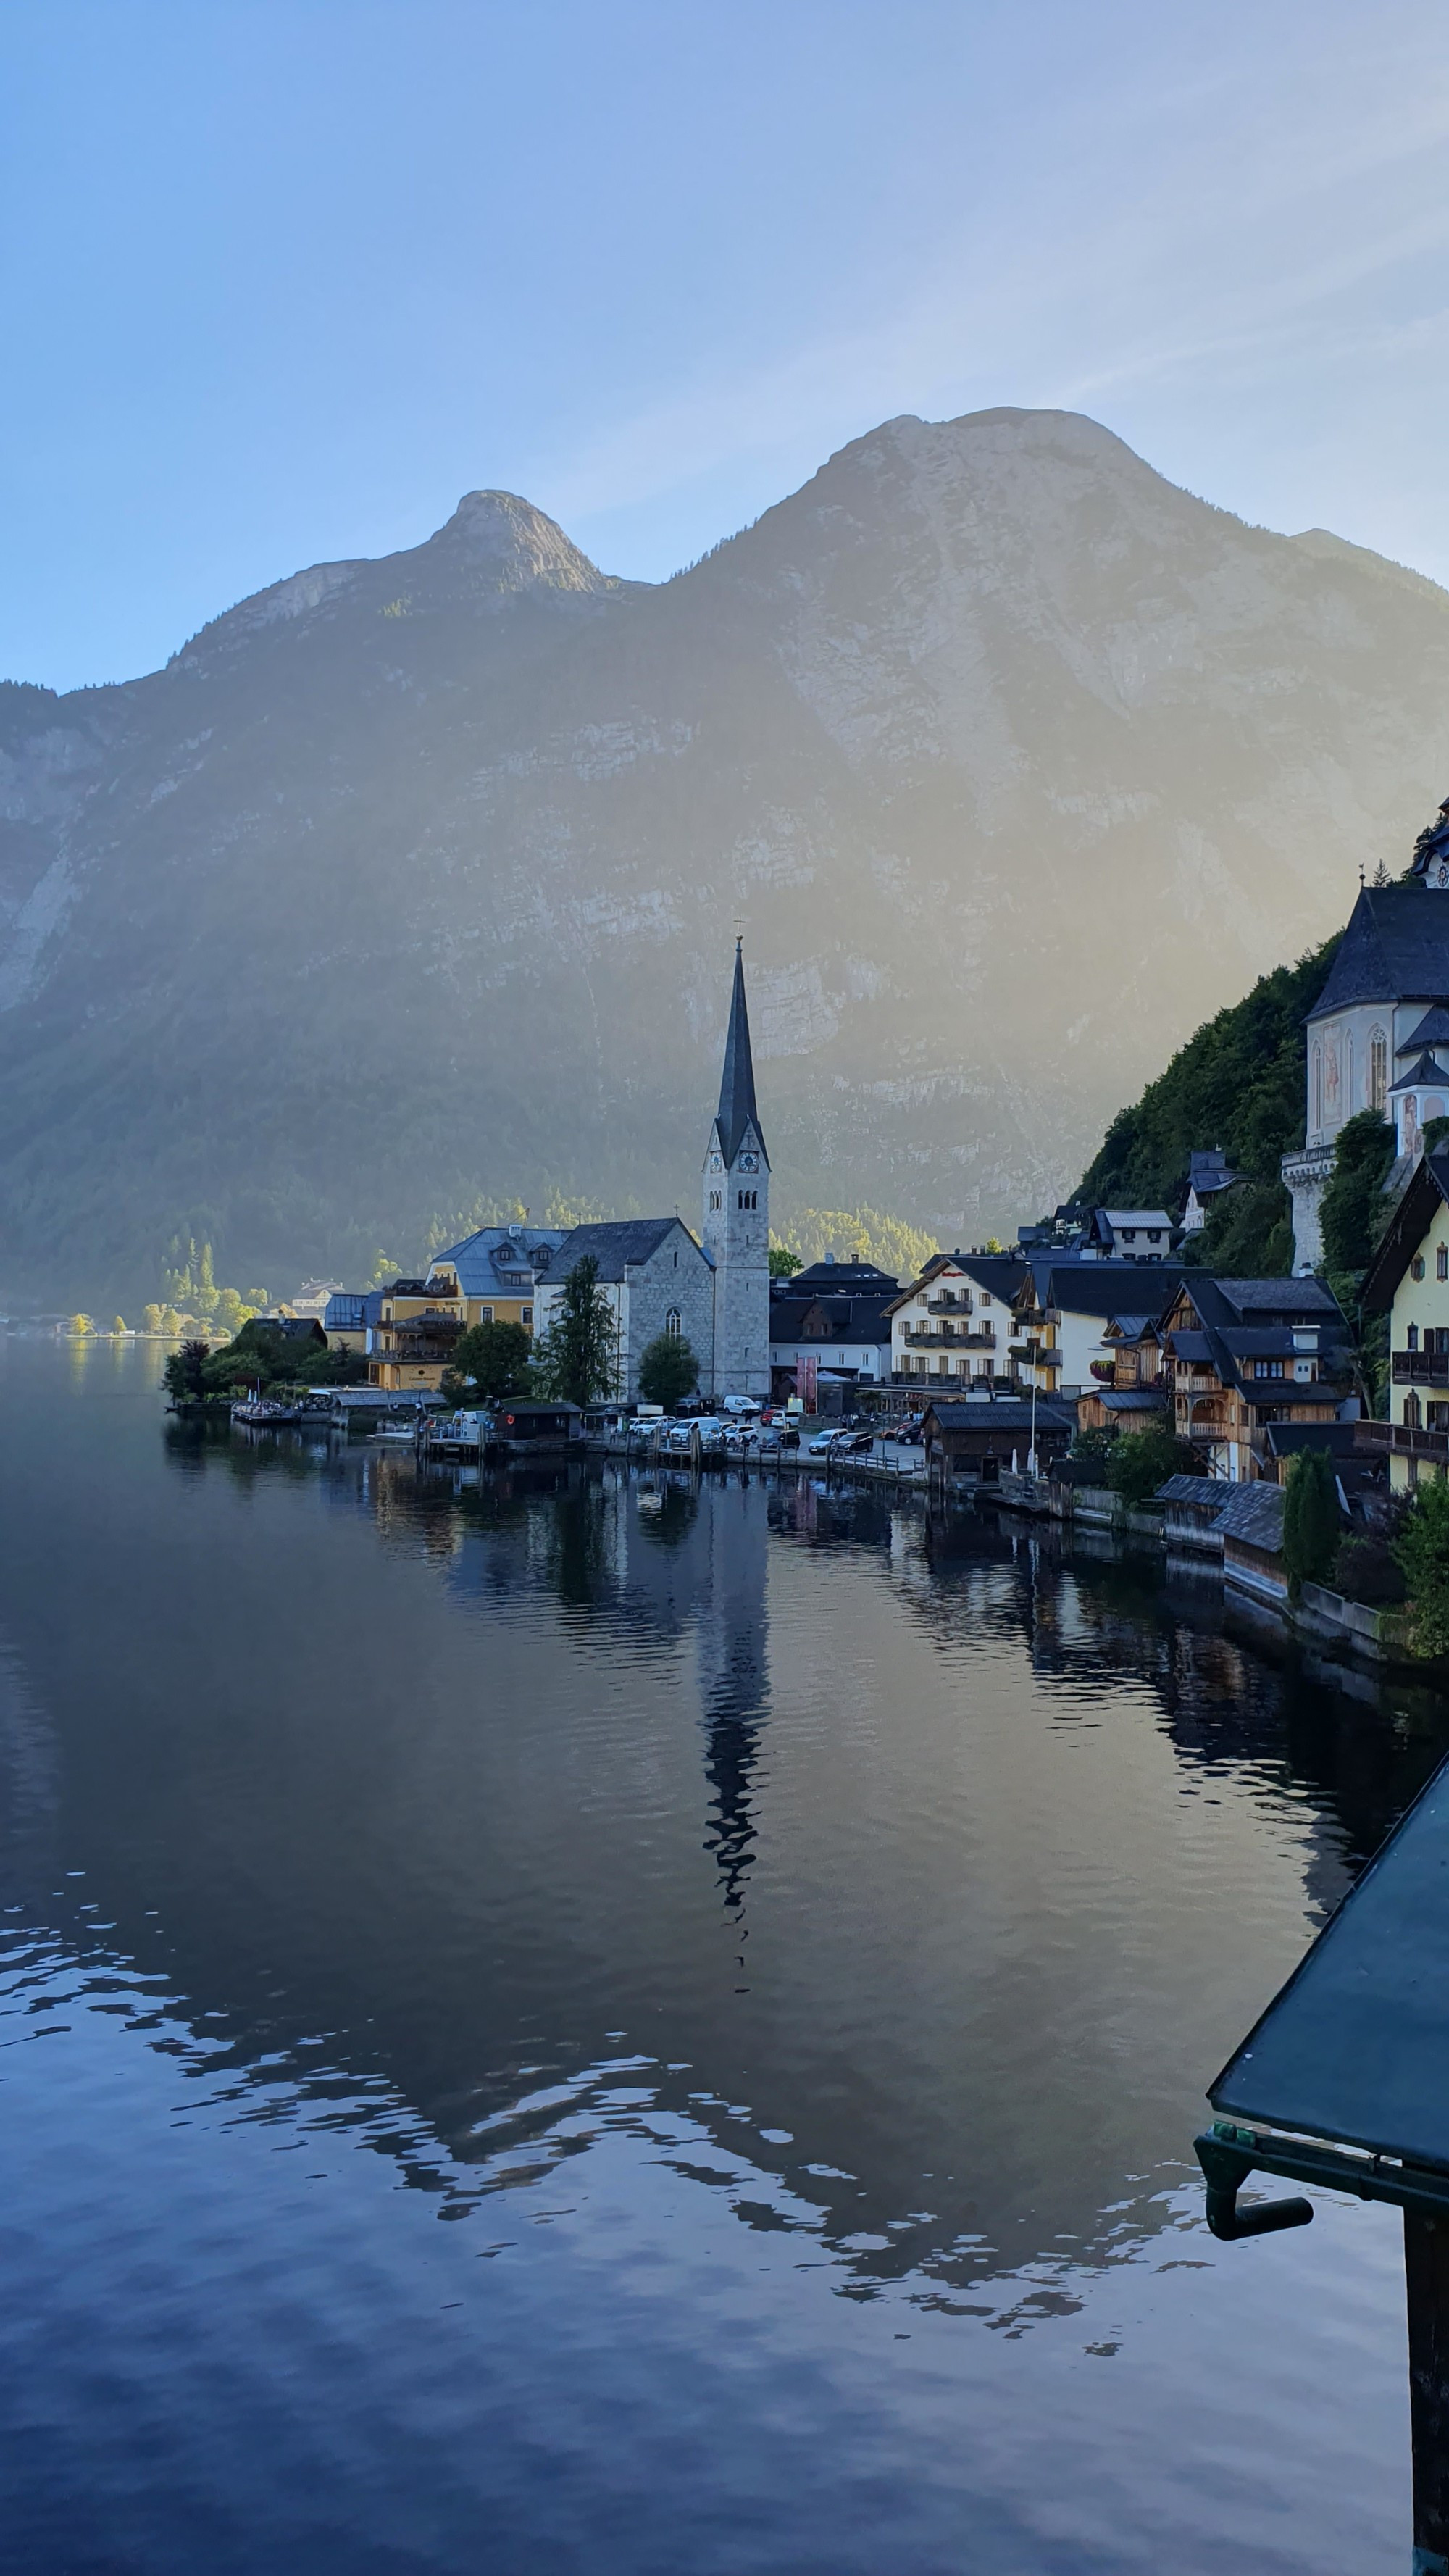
(586, 2022)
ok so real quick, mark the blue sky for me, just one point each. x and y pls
(282, 278)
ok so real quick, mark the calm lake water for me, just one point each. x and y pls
(657, 2032)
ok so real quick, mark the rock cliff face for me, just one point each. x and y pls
(415, 878)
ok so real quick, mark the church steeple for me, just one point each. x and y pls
(737, 1109)
(736, 1229)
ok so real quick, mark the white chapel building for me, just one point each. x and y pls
(1378, 1034)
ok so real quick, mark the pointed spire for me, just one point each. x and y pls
(737, 1108)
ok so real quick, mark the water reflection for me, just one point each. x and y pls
(887, 1884)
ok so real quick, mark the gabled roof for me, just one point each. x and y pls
(1205, 1491)
(1000, 1274)
(1004, 1413)
(1417, 1210)
(1424, 1074)
(737, 1109)
(1253, 1515)
(1131, 1328)
(496, 1258)
(617, 1246)
(1105, 1287)
(841, 1319)
(1395, 949)
(1231, 1301)
(839, 1278)
(1432, 1031)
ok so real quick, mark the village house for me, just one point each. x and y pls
(494, 1271)
(1208, 1178)
(1128, 1390)
(1244, 1353)
(1378, 1034)
(1408, 1281)
(978, 1439)
(413, 1340)
(832, 1316)
(1061, 1312)
(954, 1320)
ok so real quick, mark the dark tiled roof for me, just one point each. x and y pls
(1205, 1491)
(840, 1279)
(1432, 1031)
(1427, 1190)
(1105, 1287)
(1395, 949)
(1307, 1299)
(846, 1319)
(1004, 1413)
(1284, 1437)
(1131, 1399)
(1253, 1515)
(1132, 1327)
(1000, 1274)
(615, 1246)
(1423, 1071)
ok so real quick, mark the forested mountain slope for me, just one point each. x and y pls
(411, 879)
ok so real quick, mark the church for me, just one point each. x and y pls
(658, 1279)
(1378, 1034)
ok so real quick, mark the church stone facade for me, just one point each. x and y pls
(1378, 1034)
(736, 1227)
(657, 1279)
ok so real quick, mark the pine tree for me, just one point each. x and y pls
(1310, 1519)
(574, 1360)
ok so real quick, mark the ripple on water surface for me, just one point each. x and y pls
(580, 2024)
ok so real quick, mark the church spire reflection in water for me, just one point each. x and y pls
(733, 1681)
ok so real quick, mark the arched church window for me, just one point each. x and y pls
(1317, 1088)
(671, 1320)
(1378, 1079)
(1348, 1070)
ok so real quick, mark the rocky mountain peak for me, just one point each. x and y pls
(513, 546)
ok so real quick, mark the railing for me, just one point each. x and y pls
(1421, 1368)
(978, 1341)
(1378, 1438)
(946, 1304)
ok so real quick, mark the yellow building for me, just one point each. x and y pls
(1409, 1282)
(416, 1333)
(494, 1272)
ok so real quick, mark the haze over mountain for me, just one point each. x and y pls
(410, 879)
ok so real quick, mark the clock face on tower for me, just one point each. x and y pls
(716, 1163)
(749, 1162)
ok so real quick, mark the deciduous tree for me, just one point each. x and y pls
(668, 1370)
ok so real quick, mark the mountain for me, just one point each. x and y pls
(410, 879)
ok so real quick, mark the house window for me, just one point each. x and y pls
(985, 1298)
(528, 1315)
(1417, 1265)
(1378, 1080)
(1411, 1338)
(1267, 1368)
(485, 1314)
(1411, 1413)
(671, 1320)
